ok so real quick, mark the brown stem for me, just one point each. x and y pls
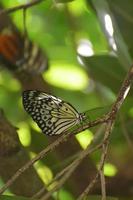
(20, 7)
(110, 122)
(43, 153)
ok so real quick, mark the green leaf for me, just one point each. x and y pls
(106, 69)
(113, 34)
(123, 13)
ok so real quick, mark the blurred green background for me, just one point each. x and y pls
(89, 47)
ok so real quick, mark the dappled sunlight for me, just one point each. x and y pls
(24, 134)
(43, 171)
(63, 194)
(85, 48)
(109, 25)
(84, 138)
(110, 169)
(34, 125)
(67, 76)
(110, 30)
(77, 7)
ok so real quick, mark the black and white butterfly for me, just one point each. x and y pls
(53, 115)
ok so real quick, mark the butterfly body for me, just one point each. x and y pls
(53, 115)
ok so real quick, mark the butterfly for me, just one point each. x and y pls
(53, 115)
(17, 52)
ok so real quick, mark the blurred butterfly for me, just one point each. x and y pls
(17, 52)
(52, 115)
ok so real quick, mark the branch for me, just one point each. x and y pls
(108, 118)
(122, 93)
(58, 175)
(72, 168)
(110, 123)
(48, 149)
(101, 163)
(22, 6)
(103, 184)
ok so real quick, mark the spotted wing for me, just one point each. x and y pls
(52, 115)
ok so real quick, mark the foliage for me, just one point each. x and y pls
(90, 48)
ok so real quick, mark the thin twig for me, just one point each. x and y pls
(20, 7)
(102, 178)
(101, 163)
(24, 22)
(71, 168)
(74, 165)
(110, 123)
(88, 189)
(58, 175)
(103, 184)
(108, 117)
(96, 140)
(49, 148)
(122, 93)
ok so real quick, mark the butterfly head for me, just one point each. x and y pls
(82, 117)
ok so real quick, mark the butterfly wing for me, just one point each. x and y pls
(52, 115)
